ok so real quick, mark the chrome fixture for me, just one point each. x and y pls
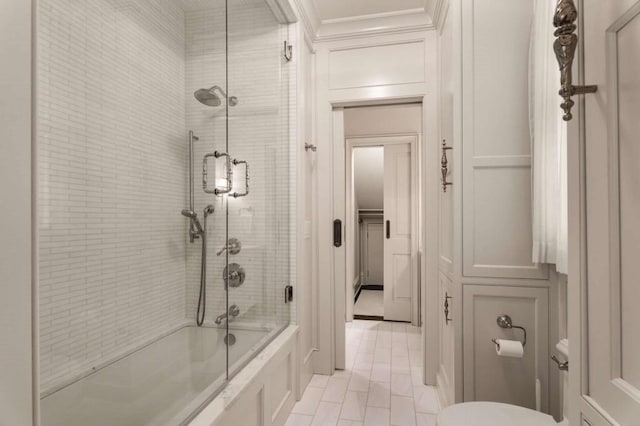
(446, 307)
(246, 178)
(229, 339)
(288, 51)
(202, 295)
(562, 366)
(233, 275)
(234, 311)
(565, 49)
(308, 146)
(233, 246)
(504, 321)
(209, 97)
(205, 173)
(195, 229)
(192, 138)
(444, 165)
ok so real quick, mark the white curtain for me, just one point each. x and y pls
(548, 144)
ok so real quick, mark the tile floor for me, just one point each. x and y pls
(370, 302)
(381, 384)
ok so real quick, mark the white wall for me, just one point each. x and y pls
(383, 120)
(16, 348)
(368, 177)
(112, 165)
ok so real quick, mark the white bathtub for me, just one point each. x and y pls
(165, 382)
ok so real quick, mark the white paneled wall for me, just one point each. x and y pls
(111, 130)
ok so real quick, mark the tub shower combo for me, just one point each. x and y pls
(140, 323)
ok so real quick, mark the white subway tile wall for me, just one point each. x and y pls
(115, 102)
(111, 131)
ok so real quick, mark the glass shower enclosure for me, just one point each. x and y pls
(164, 203)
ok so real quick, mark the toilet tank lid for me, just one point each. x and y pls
(492, 414)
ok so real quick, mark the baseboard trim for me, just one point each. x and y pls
(357, 294)
(369, 317)
(379, 287)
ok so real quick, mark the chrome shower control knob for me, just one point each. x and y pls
(233, 275)
(233, 246)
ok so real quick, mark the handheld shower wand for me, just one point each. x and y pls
(195, 229)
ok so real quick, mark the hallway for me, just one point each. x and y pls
(380, 386)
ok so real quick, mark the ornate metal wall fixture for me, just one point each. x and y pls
(444, 166)
(565, 49)
(446, 307)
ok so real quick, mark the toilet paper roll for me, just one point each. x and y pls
(510, 348)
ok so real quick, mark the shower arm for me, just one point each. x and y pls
(246, 178)
(205, 173)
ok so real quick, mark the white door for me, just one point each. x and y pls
(605, 285)
(374, 254)
(398, 262)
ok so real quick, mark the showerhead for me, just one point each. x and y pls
(190, 214)
(209, 97)
(209, 210)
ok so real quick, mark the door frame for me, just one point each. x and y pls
(352, 142)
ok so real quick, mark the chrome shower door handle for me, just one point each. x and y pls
(205, 173)
(565, 48)
(246, 179)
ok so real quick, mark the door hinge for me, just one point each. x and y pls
(288, 294)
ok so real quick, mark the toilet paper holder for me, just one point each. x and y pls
(504, 321)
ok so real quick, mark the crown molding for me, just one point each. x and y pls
(377, 32)
(439, 12)
(309, 17)
(372, 16)
(390, 23)
(379, 25)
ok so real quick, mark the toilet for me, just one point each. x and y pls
(483, 413)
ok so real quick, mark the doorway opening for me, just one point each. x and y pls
(368, 210)
(382, 221)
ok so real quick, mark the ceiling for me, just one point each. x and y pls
(329, 10)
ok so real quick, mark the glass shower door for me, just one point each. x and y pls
(259, 206)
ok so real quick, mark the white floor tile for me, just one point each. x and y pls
(363, 361)
(335, 390)
(370, 302)
(359, 380)
(308, 404)
(379, 395)
(319, 381)
(354, 406)
(423, 419)
(426, 399)
(381, 372)
(382, 386)
(375, 416)
(401, 385)
(400, 365)
(328, 414)
(402, 411)
(298, 420)
(343, 422)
